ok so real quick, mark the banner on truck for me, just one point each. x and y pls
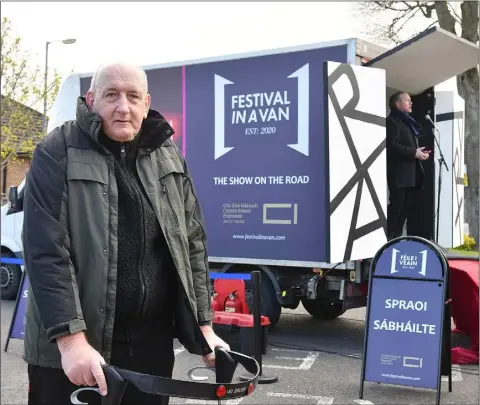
(256, 146)
(282, 148)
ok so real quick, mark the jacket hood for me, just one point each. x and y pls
(154, 132)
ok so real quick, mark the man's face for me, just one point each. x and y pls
(404, 104)
(120, 98)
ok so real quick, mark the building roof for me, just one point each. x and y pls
(24, 122)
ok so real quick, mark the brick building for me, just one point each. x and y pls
(13, 119)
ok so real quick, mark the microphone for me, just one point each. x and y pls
(427, 117)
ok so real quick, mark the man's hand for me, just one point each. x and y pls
(420, 154)
(81, 363)
(213, 341)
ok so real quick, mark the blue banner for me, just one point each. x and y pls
(256, 146)
(405, 316)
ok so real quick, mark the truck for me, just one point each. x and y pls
(287, 148)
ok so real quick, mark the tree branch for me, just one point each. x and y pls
(389, 5)
(452, 10)
(404, 12)
(22, 88)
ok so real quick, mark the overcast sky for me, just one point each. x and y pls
(150, 33)
(159, 32)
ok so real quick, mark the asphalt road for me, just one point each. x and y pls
(301, 354)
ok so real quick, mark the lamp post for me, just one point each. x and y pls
(65, 42)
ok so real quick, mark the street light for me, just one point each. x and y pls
(67, 41)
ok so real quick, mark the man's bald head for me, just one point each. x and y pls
(119, 95)
(106, 72)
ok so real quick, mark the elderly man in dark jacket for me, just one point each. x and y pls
(115, 246)
(404, 161)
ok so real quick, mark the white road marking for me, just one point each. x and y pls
(289, 358)
(456, 374)
(362, 402)
(306, 362)
(179, 350)
(319, 400)
(203, 402)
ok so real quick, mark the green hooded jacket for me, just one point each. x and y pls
(70, 236)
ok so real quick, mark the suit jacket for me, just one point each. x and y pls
(403, 169)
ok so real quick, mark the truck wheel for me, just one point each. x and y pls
(268, 301)
(323, 310)
(10, 276)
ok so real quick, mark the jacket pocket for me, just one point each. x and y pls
(87, 172)
(89, 204)
(169, 165)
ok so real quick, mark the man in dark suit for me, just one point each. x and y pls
(404, 161)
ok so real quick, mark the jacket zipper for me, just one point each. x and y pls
(107, 347)
(165, 191)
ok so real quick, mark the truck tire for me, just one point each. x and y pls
(269, 305)
(10, 276)
(269, 302)
(323, 310)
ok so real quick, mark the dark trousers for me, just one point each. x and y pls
(50, 386)
(397, 210)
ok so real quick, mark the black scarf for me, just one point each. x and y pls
(414, 126)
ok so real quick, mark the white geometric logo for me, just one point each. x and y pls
(409, 262)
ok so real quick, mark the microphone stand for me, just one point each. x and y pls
(441, 162)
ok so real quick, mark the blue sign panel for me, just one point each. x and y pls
(18, 321)
(405, 326)
(256, 147)
(405, 316)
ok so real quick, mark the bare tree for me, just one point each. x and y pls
(22, 88)
(466, 25)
